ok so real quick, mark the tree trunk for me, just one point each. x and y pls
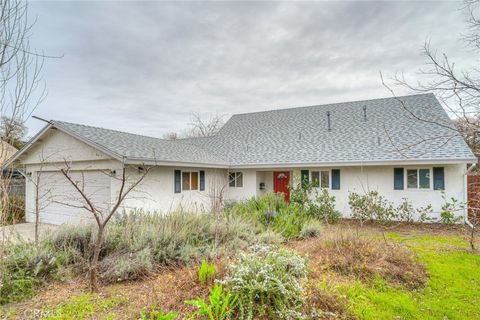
(94, 262)
(472, 238)
(36, 208)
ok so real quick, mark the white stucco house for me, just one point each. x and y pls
(402, 147)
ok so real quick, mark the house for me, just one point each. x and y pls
(403, 147)
(13, 178)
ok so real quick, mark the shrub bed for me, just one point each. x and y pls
(135, 245)
(271, 212)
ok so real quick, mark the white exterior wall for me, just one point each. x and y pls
(156, 192)
(370, 178)
(249, 188)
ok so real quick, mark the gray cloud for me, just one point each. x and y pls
(145, 66)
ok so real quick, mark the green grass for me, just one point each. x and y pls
(85, 306)
(452, 291)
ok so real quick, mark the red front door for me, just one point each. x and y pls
(281, 181)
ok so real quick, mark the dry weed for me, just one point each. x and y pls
(363, 258)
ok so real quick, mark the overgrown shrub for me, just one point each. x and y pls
(267, 282)
(366, 259)
(371, 206)
(449, 209)
(135, 245)
(26, 266)
(15, 210)
(323, 207)
(270, 211)
(137, 242)
(374, 207)
(311, 229)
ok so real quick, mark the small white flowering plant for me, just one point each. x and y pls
(268, 282)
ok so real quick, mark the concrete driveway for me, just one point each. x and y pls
(26, 230)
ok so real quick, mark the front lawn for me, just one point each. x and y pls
(262, 259)
(370, 288)
(451, 290)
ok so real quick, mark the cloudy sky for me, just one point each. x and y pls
(144, 67)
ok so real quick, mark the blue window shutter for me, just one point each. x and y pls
(202, 180)
(304, 177)
(398, 178)
(178, 175)
(335, 179)
(438, 178)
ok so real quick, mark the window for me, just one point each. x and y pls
(235, 179)
(424, 178)
(194, 181)
(321, 179)
(189, 180)
(315, 179)
(418, 178)
(325, 179)
(185, 180)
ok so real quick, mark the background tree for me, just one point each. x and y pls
(198, 127)
(13, 131)
(21, 85)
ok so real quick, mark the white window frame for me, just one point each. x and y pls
(417, 188)
(329, 171)
(190, 175)
(235, 173)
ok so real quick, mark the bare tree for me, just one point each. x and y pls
(458, 90)
(171, 135)
(217, 186)
(103, 215)
(42, 195)
(21, 85)
(199, 127)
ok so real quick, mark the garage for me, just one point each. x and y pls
(59, 201)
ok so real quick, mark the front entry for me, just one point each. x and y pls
(281, 181)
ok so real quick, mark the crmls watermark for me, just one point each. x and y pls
(31, 314)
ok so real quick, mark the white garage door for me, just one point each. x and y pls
(60, 202)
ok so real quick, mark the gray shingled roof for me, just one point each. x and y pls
(301, 136)
(133, 146)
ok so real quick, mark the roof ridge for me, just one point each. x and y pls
(331, 104)
(103, 128)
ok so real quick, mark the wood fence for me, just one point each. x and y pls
(474, 198)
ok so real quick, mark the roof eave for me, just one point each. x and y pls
(356, 163)
(169, 163)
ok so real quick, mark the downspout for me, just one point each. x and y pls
(465, 195)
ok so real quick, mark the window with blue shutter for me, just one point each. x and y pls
(178, 186)
(335, 179)
(202, 180)
(438, 178)
(304, 177)
(398, 178)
